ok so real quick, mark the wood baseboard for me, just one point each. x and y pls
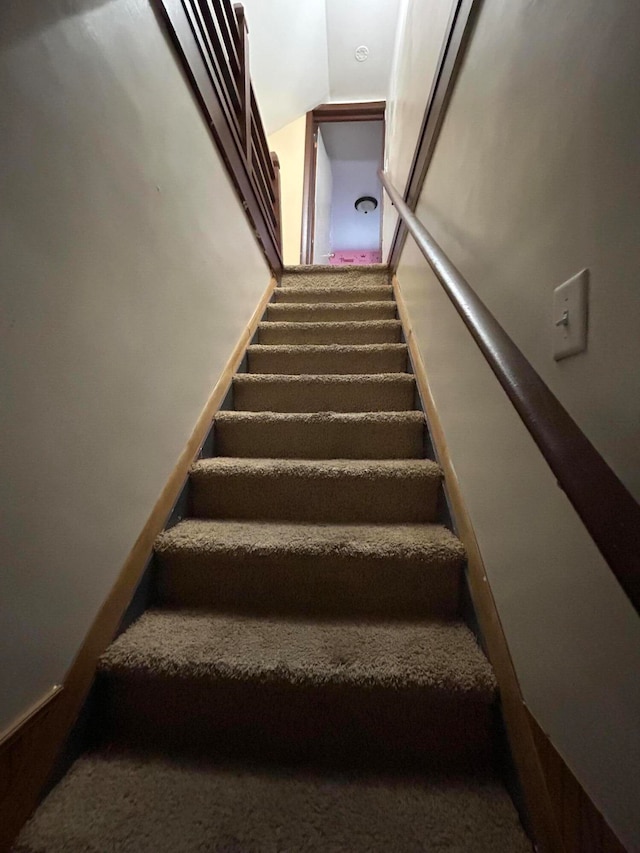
(582, 827)
(28, 749)
(563, 818)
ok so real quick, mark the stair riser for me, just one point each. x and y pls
(331, 724)
(331, 499)
(290, 295)
(334, 333)
(331, 313)
(331, 585)
(336, 277)
(364, 440)
(310, 396)
(298, 363)
(324, 500)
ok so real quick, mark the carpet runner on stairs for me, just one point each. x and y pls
(304, 679)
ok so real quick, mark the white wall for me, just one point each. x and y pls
(288, 143)
(289, 58)
(129, 273)
(311, 47)
(419, 39)
(355, 151)
(535, 176)
(322, 220)
(349, 228)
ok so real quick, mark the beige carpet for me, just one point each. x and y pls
(380, 392)
(334, 293)
(350, 332)
(149, 804)
(321, 312)
(306, 640)
(321, 435)
(329, 358)
(321, 491)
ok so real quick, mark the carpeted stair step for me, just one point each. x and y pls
(334, 691)
(350, 332)
(320, 275)
(322, 312)
(338, 491)
(327, 358)
(381, 392)
(337, 293)
(146, 804)
(320, 435)
(391, 570)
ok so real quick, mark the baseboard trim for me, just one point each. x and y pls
(29, 748)
(582, 827)
(516, 717)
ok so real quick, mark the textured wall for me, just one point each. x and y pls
(419, 38)
(128, 275)
(288, 144)
(537, 175)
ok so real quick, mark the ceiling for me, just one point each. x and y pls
(353, 140)
(351, 23)
(303, 53)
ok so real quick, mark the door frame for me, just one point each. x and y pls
(367, 111)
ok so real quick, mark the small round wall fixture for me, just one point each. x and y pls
(366, 204)
(362, 53)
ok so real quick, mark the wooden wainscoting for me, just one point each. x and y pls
(582, 828)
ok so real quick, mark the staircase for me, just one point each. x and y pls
(304, 680)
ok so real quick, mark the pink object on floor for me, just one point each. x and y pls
(342, 257)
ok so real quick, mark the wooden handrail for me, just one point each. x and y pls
(607, 509)
(211, 37)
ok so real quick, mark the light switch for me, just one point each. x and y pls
(570, 311)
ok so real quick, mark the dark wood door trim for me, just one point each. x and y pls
(368, 111)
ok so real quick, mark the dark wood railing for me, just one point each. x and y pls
(607, 509)
(211, 38)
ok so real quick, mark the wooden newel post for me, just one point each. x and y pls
(244, 83)
(278, 197)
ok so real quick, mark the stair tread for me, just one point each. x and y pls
(149, 804)
(326, 378)
(321, 306)
(347, 349)
(438, 657)
(337, 324)
(421, 543)
(366, 469)
(318, 359)
(331, 311)
(337, 293)
(334, 288)
(402, 417)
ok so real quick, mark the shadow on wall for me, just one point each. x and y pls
(21, 21)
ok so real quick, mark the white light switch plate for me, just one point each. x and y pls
(570, 312)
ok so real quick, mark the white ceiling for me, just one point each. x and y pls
(353, 140)
(351, 23)
(303, 53)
